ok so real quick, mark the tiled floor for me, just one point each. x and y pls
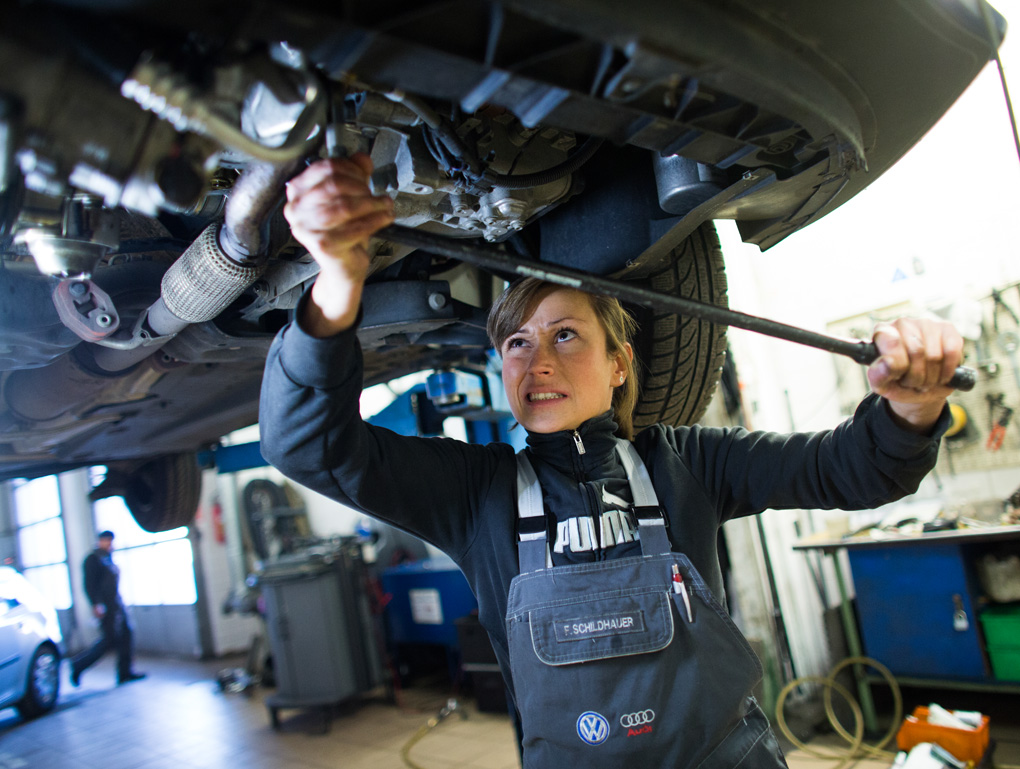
(178, 718)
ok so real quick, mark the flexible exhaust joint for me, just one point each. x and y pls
(226, 259)
(204, 280)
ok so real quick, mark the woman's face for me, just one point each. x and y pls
(556, 370)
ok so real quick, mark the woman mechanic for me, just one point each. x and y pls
(593, 555)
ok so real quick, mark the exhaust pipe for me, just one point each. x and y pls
(215, 270)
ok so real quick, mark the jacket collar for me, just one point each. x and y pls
(561, 450)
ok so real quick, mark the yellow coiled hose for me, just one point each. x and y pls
(857, 748)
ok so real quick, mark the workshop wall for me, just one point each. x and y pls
(214, 540)
(8, 542)
(325, 516)
(984, 435)
(80, 538)
(938, 229)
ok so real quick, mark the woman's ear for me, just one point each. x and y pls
(622, 359)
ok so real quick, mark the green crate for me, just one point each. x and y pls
(1002, 626)
(1005, 662)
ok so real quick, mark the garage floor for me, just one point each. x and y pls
(178, 718)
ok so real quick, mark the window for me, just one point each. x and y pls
(41, 546)
(155, 569)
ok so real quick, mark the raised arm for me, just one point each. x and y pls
(309, 414)
(879, 455)
(333, 213)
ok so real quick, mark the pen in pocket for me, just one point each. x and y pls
(681, 588)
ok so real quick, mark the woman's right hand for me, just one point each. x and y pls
(333, 213)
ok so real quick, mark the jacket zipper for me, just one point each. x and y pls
(593, 512)
(589, 495)
(578, 442)
(593, 505)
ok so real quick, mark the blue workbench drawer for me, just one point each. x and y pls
(910, 599)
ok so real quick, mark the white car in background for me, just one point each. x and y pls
(29, 647)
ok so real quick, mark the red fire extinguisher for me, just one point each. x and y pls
(219, 532)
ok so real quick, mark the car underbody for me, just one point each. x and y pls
(145, 266)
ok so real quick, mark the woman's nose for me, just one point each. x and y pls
(541, 361)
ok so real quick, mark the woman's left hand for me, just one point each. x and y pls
(917, 359)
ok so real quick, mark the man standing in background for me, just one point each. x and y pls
(101, 580)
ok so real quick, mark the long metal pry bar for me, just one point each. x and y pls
(496, 259)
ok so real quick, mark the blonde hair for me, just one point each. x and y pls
(516, 304)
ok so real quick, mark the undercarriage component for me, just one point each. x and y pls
(39, 396)
(205, 280)
(66, 236)
(685, 184)
(86, 309)
(213, 272)
(410, 312)
(162, 494)
(31, 333)
(157, 87)
(67, 114)
(431, 190)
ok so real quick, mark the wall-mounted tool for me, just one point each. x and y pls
(999, 415)
(500, 261)
(960, 429)
(1008, 341)
(985, 361)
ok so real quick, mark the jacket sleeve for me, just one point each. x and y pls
(93, 577)
(312, 430)
(865, 462)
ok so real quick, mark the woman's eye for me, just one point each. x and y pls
(512, 343)
(565, 334)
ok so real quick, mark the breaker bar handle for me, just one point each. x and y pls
(496, 259)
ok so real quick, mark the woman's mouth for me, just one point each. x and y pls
(532, 397)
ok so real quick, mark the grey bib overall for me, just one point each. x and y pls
(628, 660)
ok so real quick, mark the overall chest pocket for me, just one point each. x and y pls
(599, 626)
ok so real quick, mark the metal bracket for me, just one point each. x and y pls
(141, 336)
(86, 309)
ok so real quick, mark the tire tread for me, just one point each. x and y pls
(681, 358)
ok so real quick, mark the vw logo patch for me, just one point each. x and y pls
(636, 719)
(592, 728)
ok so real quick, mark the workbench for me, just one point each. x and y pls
(918, 602)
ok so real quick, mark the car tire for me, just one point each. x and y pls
(259, 500)
(43, 685)
(163, 493)
(680, 358)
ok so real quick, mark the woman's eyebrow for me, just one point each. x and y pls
(548, 324)
(564, 319)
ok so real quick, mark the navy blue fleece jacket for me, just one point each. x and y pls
(462, 497)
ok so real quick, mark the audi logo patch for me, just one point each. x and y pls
(637, 719)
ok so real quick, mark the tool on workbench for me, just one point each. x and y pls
(503, 262)
(999, 415)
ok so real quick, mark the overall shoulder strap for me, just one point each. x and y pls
(651, 522)
(532, 546)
